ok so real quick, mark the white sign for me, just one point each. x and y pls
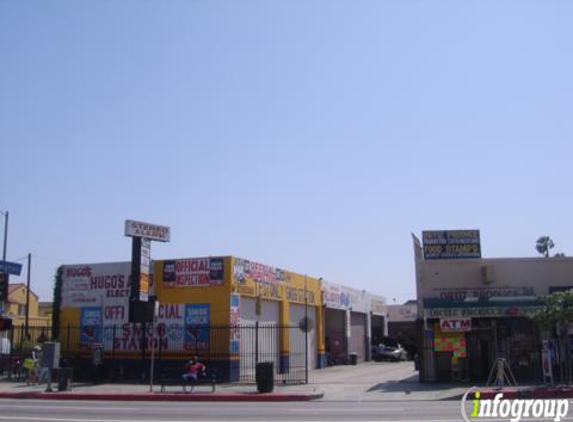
(147, 230)
(455, 324)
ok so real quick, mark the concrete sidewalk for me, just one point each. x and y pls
(368, 381)
(141, 392)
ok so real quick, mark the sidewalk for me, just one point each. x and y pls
(368, 381)
(141, 392)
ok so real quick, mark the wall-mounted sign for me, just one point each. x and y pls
(483, 312)
(451, 244)
(149, 231)
(193, 272)
(483, 293)
(455, 324)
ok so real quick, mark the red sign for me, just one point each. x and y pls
(455, 324)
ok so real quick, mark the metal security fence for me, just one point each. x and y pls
(124, 352)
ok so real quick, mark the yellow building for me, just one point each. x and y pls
(16, 307)
(231, 311)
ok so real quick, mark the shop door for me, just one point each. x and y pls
(481, 353)
(335, 337)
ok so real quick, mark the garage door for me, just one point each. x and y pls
(358, 335)
(258, 343)
(297, 342)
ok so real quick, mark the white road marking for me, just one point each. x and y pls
(47, 406)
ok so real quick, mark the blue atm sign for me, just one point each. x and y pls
(13, 268)
(451, 244)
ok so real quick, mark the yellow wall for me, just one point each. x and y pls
(217, 296)
(17, 301)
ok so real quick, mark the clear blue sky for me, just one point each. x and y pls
(309, 135)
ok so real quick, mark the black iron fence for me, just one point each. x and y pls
(125, 352)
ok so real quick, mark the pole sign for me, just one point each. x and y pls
(13, 268)
(149, 231)
(451, 244)
(142, 234)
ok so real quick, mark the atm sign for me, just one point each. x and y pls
(455, 324)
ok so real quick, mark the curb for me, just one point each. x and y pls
(230, 397)
(541, 393)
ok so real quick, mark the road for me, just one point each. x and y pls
(63, 411)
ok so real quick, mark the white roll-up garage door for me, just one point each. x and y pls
(297, 356)
(358, 335)
(259, 343)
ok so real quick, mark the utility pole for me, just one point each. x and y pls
(6, 276)
(28, 295)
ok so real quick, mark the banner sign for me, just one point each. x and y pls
(451, 244)
(235, 321)
(197, 332)
(13, 268)
(147, 230)
(144, 270)
(259, 273)
(90, 325)
(455, 324)
(195, 272)
(451, 342)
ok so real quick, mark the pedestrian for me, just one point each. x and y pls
(192, 370)
(31, 365)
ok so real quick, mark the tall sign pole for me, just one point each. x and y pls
(306, 328)
(4, 277)
(28, 294)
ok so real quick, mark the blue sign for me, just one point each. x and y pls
(10, 267)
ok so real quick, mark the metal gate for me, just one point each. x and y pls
(126, 350)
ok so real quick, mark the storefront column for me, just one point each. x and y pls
(368, 351)
(348, 329)
(284, 324)
(320, 338)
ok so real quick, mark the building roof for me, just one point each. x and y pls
(12, 287)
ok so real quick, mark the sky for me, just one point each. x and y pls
(312, 136)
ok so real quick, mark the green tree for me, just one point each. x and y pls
(543, 245)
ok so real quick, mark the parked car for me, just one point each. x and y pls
(389, 349)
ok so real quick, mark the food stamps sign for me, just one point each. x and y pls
(451, 244)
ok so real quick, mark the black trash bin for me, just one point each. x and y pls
(65, 378)
(353, 358)
(265, 377)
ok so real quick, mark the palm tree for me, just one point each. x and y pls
(543, 244)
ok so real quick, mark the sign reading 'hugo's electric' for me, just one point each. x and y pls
(451, 244)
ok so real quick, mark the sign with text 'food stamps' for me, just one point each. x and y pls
(451, 244)
(149, 231)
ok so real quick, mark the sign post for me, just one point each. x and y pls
(142, 234)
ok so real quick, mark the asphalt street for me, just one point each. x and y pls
(48, 411)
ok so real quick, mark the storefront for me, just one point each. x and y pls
(473, 311)
(231, 311)
(348, 315)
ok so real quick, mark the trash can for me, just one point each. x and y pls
(353, 358)
(265, 377)
(65, 378)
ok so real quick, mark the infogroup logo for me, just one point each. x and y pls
(513, 410)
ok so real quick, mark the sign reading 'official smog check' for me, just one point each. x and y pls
(148, 231)
(451, 244)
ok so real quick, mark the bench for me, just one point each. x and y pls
(174, 377)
